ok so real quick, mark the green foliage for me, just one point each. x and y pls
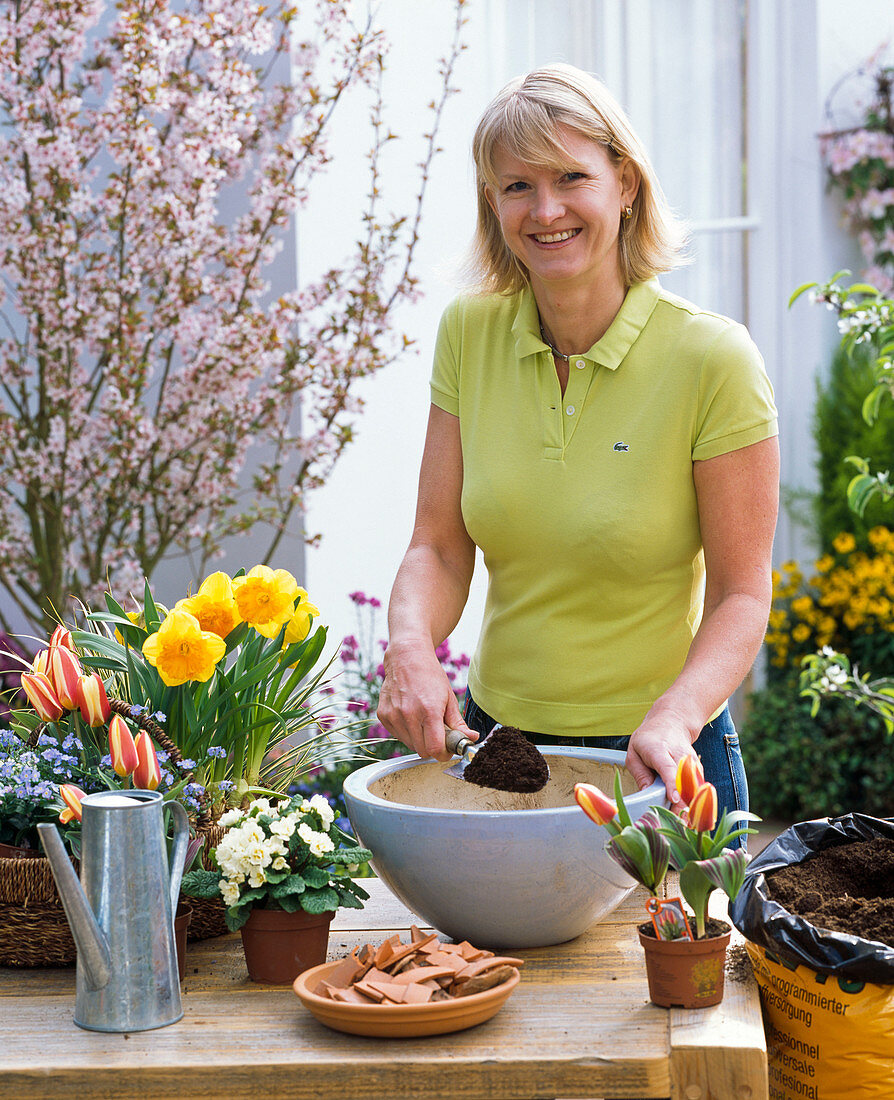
(802, 766)
(840, 431)
(202, 884)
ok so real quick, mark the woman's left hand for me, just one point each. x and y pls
(656, 748)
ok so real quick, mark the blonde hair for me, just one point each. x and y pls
(524, 119)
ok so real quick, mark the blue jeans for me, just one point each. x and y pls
(717, 747)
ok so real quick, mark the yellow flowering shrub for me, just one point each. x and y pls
(846, 603)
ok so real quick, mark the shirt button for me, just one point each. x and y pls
(580, 364)
(570, 410)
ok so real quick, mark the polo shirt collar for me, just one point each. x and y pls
(610, 350)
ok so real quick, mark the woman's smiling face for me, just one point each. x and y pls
(562, 223)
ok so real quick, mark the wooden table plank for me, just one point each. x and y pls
(720, 1053)
(579, 1025)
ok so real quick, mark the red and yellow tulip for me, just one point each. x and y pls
(61, 636)
(92, 700)
(71, 796)
(41, 662)
(42, 696)
(690, 776)
(147, 774)
(703, 808)
(596, 805)
(123, 749)
(64, 672)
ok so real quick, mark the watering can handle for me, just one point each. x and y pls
(178, 851)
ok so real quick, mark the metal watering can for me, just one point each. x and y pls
(122, 911)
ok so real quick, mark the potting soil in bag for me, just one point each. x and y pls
(828, 997)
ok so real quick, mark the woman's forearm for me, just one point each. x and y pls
(428, 596)
(721, 655)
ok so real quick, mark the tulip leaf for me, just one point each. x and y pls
(696, 888)
(726, 871)
(623, 812)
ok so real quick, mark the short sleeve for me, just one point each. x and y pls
(736, 406)
(445, 369)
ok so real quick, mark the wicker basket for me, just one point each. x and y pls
(33, 927)
(207, 913)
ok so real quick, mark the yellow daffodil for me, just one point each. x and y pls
(213, 605)
(298, 627)
(265, 598)
(182, 651)
(138, 618)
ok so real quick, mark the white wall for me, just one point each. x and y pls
(797, 50)
(365, 511)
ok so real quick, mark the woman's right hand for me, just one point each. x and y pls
(417, 702)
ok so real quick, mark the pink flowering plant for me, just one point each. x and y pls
(860, 163)
(153, 159)
(363, 673)
(360, 685)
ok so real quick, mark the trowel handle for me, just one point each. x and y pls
(457, 742)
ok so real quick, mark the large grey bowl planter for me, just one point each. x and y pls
(500, 870)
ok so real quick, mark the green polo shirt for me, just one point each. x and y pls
(583, 504)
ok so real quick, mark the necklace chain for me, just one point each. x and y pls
(552, 347)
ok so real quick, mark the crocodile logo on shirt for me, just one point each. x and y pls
(621, 447)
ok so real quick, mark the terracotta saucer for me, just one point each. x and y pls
(400, 1021)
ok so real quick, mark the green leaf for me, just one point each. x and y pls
(801, 290)
(291, 903)
(315, 877)
(150, 611)
(726, 871)
(623, 812)
(872, 403)
(860, 491)
(201, 884)
(349, 856)
(696, 888)
(319, 901)
(289, 886)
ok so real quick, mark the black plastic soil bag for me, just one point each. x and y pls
(793, 939)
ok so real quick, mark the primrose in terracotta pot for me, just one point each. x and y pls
(282, 872)
(695, 845)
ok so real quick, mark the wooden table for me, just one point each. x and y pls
(579, 1024)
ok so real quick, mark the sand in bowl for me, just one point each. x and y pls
(425, 784)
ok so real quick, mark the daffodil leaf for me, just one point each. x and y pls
(150, 611)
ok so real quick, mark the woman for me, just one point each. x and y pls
(609, 447)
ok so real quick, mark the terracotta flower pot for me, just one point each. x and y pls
(181, 926)
(12, 851)
(685, 973)
(279, 945)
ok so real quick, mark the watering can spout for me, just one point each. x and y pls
(91, 941)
